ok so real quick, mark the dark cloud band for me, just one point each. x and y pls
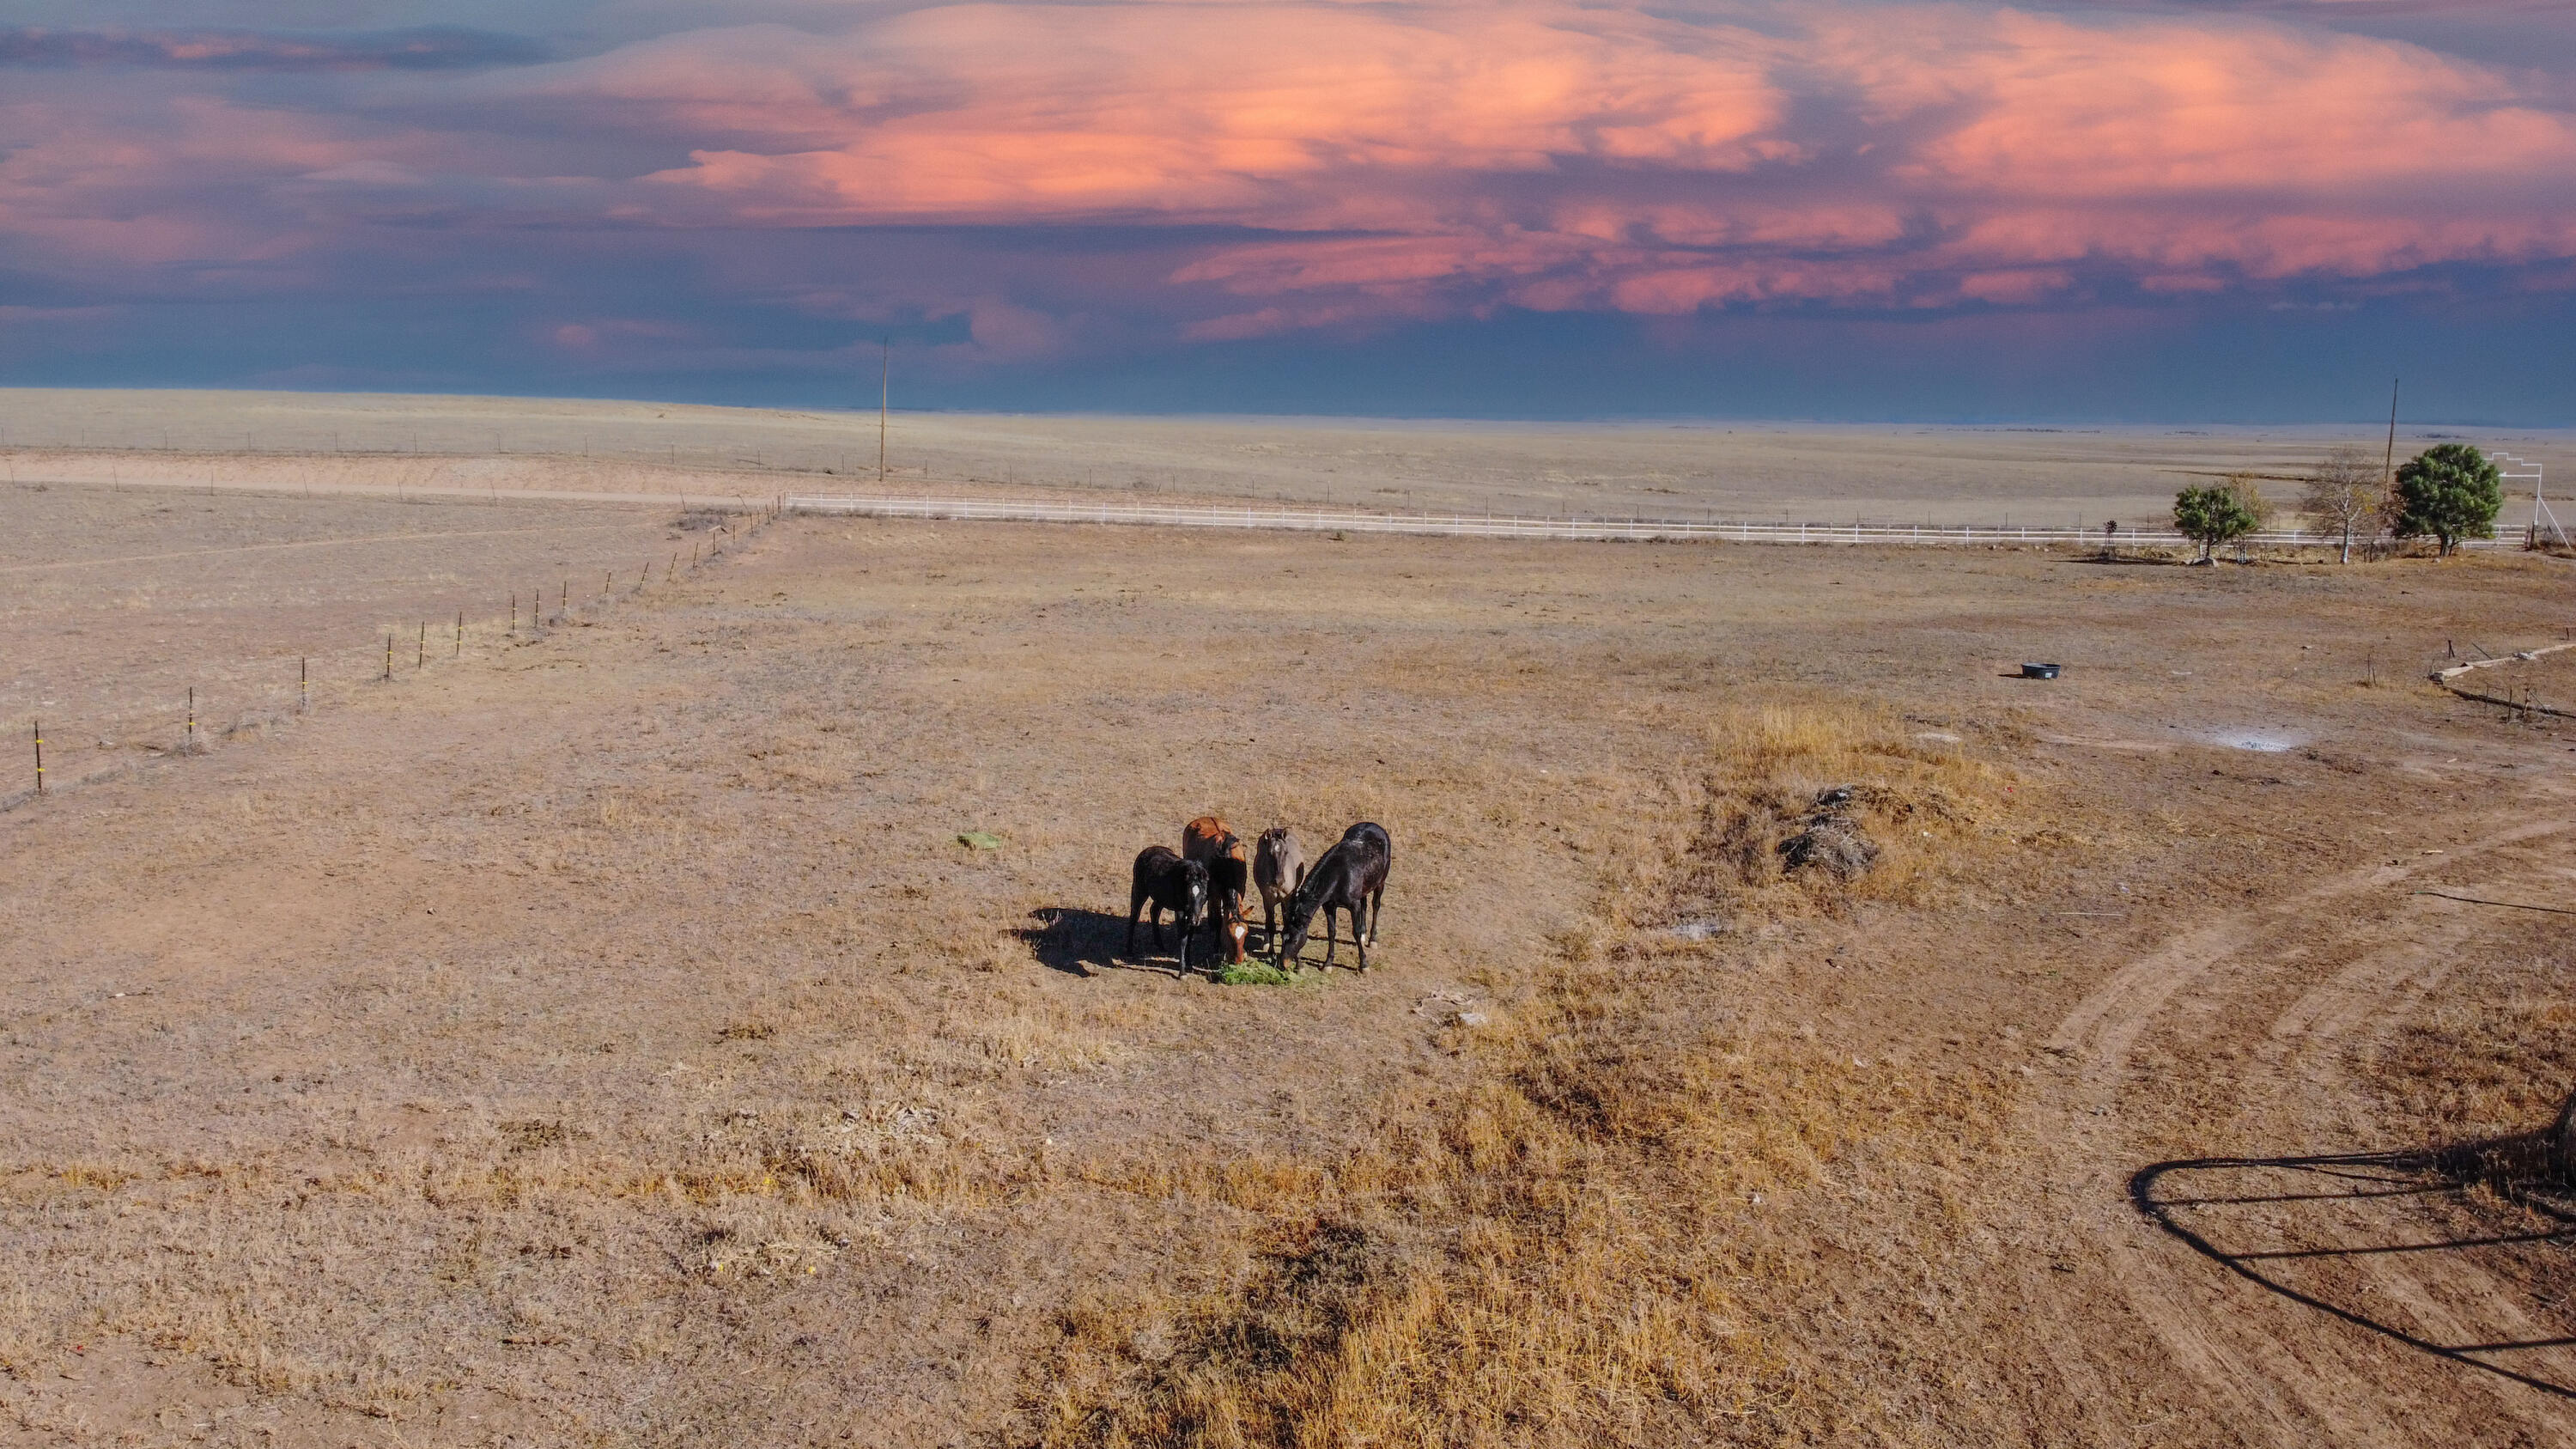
(428, 48)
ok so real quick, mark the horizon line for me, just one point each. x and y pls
(2000, 421)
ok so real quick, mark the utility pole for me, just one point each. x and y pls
(2388, 478)
(885, 390)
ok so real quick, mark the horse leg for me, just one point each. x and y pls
(1377, 908)
(1158, 925)
(1330, 940)
(1360, 930)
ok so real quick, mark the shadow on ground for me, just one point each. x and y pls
(1085, 943)
(2306, 1228)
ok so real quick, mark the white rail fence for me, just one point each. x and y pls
(1498, 525)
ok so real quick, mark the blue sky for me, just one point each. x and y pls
(1847, 209)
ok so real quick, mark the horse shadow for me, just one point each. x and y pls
(2300, 1227)
(1085, 943)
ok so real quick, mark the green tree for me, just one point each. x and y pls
(2448, 492)
(2212, 516)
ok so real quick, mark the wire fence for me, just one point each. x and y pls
(429, 641)
(1576, 527)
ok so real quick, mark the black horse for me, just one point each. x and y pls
(1170, 884)
(1352, 878)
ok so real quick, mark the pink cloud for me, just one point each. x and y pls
(1555, 155)
(2121, 111)
(165, 178)
(599, 332)
(1301, 114)
(1385, 162)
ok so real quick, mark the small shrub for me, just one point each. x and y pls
(2212, 516)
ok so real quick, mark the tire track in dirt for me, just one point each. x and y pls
(2219, 1330)
(2306, 1044)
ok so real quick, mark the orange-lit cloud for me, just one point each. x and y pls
(1561, 156)
(1301, 115)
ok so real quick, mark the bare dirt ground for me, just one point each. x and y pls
(2054, 477)
(602, 1035)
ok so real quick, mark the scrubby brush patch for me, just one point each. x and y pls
(1586, 1245)
(1255, 973)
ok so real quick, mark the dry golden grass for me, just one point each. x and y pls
(2496, 1053)
(1923, 802)
(1575, 1249)
(504, 445)
(605, 1039)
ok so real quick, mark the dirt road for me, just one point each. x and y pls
(2227, 1174)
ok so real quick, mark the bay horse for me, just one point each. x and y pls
(1210, 841)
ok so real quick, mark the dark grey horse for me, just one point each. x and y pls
(1351, 878)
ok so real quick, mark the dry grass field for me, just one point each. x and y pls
(2053, 477)
(600, 1034)
(120, 601)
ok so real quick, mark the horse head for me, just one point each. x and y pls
(1194, 893)
(1296, 917)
